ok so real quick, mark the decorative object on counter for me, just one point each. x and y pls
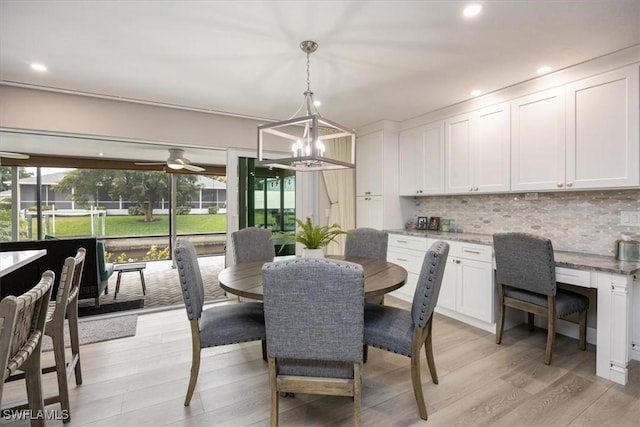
(422, 223)
(316, 237)
(434, 223)
(409, 225)
(445, 224)
(628, 249)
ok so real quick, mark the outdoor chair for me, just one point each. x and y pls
(314, 322)
(219, 325)
(406, 332)
(526, 279)
(22, 321)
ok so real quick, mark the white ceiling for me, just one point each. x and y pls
(377, 60)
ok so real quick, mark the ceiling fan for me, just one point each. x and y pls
(12, 155)
(176, 160)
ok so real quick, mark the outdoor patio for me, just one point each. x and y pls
(163, 289)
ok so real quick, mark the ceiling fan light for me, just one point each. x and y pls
(175, 165)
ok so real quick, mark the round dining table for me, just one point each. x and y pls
(380, 277)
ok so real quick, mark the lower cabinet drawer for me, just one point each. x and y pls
(407, 242)
(407, 259)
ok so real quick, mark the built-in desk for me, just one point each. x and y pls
(617, 284)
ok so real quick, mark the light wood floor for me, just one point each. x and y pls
(142, 381)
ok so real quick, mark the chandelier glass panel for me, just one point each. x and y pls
(305, 140)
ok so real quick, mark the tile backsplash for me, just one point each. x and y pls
(580, 221)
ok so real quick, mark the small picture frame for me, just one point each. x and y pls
(434, 223)
(422, 223)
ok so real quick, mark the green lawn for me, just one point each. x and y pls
(123, 226)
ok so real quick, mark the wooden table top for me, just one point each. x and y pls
(245, 279)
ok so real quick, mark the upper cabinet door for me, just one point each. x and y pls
(603, 148)
(370, 164)
(421, 160)
(491, 149)
(410, 155)
(538, 141)
(458, 173)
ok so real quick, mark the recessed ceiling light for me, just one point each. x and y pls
(317, 103)
(544, 69)
(36, 66)
(472, 10)
(476, 92)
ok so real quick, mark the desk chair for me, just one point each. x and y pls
(22, 326)
(526, 279)
(221, 325)
(65, 304)
(314, 322)
(406, 332)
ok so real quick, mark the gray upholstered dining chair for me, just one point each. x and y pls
(526, 280)
(406, 332)
(314, 323)
(220, 325)
(367, 243)
(65, 305)
(21, 333)
(252, 244)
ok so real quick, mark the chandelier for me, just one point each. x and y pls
(311, 141)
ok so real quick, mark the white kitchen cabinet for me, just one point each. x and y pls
(477, 151)
(538, 141)
(580, 136)
(369, 164)
(421, 160)
(468, 291)
(603, 147)
(369, 212)
(408, 252)
(377, 201)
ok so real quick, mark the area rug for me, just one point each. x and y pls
(112, 307)
(91, 331)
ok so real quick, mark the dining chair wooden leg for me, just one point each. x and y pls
(357, 394)
(274, 395)
(583, 330)
(531, 321)
(195, 361)
(501, 310)
(61, 372)
(264, 350)
(416, 379)
(428, 349)
(551, 330)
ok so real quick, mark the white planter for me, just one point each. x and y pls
(313, 253)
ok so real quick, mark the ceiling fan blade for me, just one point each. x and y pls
(12, 155)
(193, 168)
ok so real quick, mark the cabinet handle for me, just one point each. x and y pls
(402, 259)
(470, 188)
(367, 192)
(559, 185)
(469, 251)
(475, 189)
(402, 241)
(455, 261)
(569, 184)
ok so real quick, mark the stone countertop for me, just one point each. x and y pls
(575, 260)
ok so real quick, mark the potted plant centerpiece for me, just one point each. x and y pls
(316, 237)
